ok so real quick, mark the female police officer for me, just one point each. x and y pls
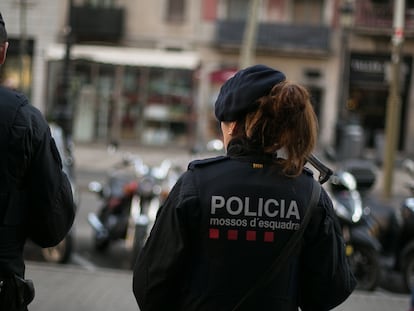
(229, 217)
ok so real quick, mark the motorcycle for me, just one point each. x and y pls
(362, 248)
(130, 201)
(392, 227)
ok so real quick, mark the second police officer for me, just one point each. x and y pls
(36, 200)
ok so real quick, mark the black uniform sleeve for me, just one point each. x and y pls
(158, 272)
(327, 279)
(51, 210)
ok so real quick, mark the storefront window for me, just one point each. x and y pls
(168, 110)
(124, 103)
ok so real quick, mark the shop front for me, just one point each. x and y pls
(128, 94)
(368, 95)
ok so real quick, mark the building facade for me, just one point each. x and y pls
(149, 71)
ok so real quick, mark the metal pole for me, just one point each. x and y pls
(249, 38)
(63, 112)
(23, 43)
(394, 100)
(345, 71)
(346, 12)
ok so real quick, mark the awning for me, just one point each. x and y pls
(127, 56)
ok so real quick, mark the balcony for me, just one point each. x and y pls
(310, 39)
(102, 24)
(377, 18)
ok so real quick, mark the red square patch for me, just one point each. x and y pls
(269, 236)
(251, 235)
(232, 234)
(214, 234)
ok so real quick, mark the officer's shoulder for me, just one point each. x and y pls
(207, 162)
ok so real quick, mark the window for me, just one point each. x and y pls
(308, 11)
(175, 10)
(237, 9)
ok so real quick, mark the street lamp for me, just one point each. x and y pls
(346, 21)
(63, 108)
(346, 15)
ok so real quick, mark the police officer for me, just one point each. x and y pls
(35, 195)
(228, 218)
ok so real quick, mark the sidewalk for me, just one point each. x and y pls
(69, 288)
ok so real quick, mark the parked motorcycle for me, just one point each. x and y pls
(392, 227)
(130, 201)
(362, 248)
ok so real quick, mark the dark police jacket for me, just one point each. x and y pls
(35, 195)
(223, 225)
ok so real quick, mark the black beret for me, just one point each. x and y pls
(238, 95)
(1, 20)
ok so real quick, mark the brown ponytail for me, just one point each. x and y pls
(284, 119)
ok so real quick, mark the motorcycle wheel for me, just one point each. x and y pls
(59, 253)
(408, 272)
(365, 266)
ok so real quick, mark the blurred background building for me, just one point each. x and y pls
(148, 72)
